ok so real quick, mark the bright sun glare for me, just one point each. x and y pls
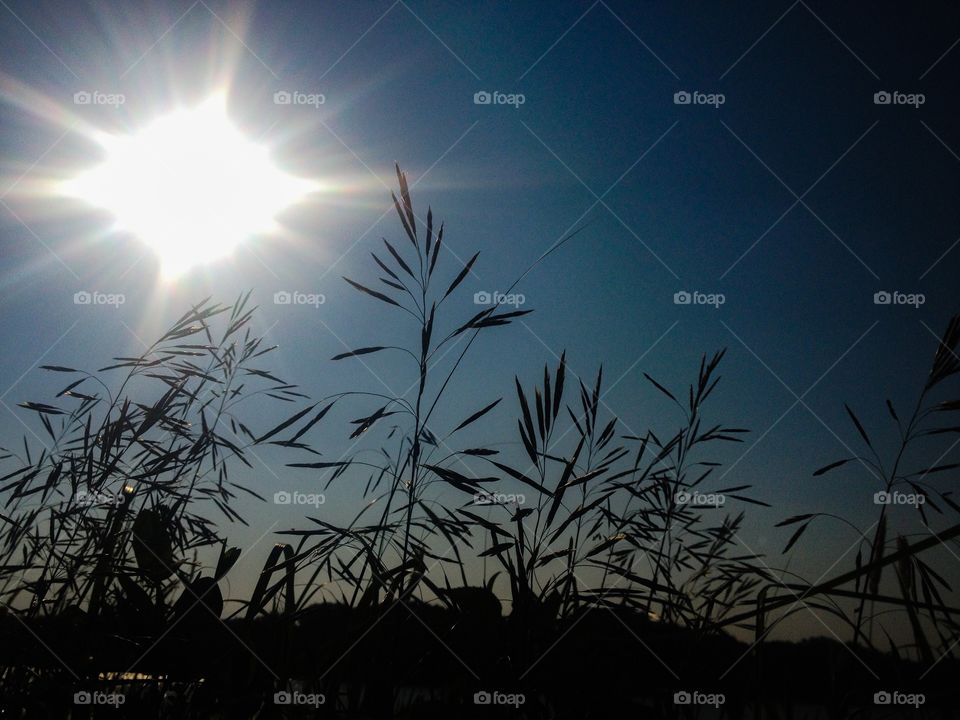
(190, 185)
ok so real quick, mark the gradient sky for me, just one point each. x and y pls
(798, 199)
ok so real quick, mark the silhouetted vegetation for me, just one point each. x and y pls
(593, 572)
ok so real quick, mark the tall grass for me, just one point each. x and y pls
(138, 477)
(593, 527)
(113, 509)
(919, 585)
(385, 557)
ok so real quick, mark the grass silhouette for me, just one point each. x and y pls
(617, 556)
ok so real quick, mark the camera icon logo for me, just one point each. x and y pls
(482, 698)
(282, 97)
(282, 298)
(82, 698)
(282, 698)
(882, 98)
(82, 98)
(882, 498)
(682, 97)
(682, 697)
(82, 298)
(482, 298)
(682, 497)
(482, 97)
(282, 498)
(882, 297)
(682, 298)
(882, 698)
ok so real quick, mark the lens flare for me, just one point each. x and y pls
(190, 186)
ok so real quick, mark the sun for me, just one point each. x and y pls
(190, 186)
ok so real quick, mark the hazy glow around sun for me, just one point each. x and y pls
(190, 185)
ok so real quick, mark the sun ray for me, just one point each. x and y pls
(189, 185)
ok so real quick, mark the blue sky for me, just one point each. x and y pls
(797, 199)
